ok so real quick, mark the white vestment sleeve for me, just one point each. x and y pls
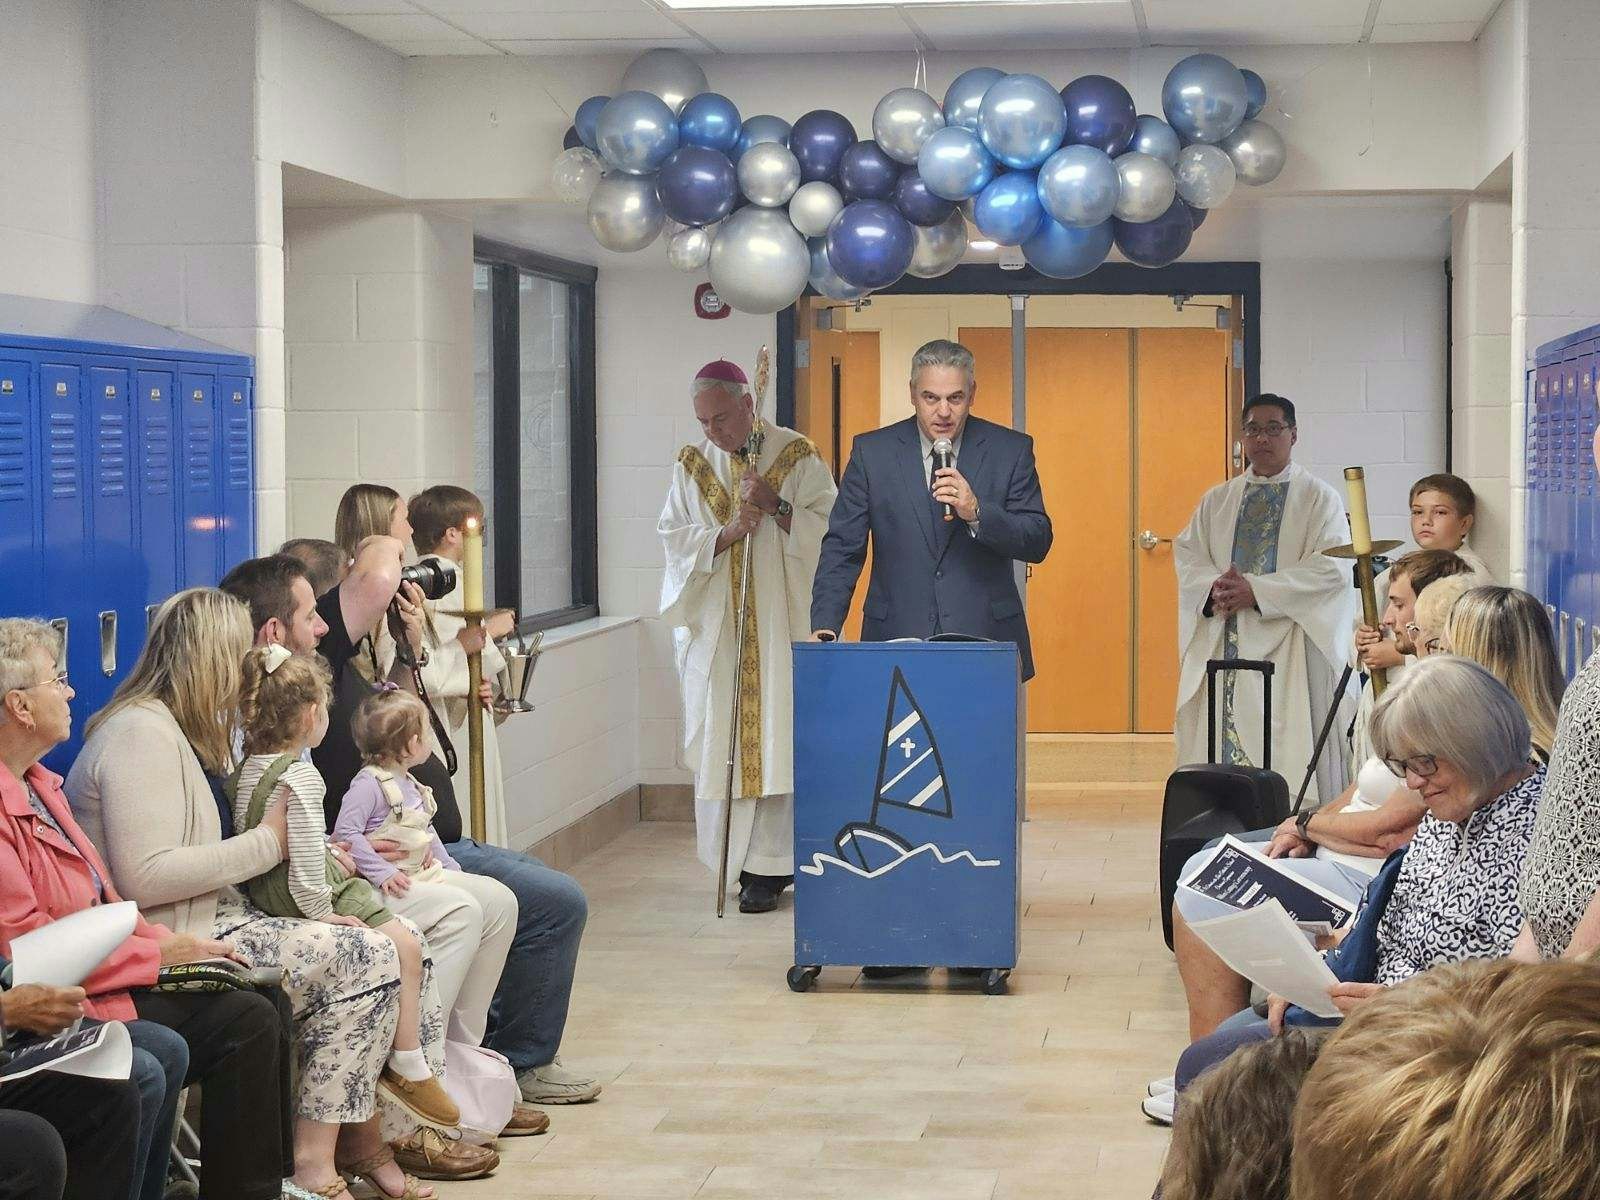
(689, 535)
(1311, 589)
(1197, 570)
(810, 489)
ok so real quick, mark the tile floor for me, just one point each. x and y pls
(722, 1083)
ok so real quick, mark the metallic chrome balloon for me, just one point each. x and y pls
(954, 164)
(759, 264)
(813, 208)
(1100, 113)
(825, 281)
(819, 139)
(939, 247)
(624, 213)
(1079, 186)
(1256, 89)
(1022, 121)
(575, 174)
(1205, 98)
(867, 173)
(917, 203)
(758, 129)
(1063, 252)
(689, 250)
(697, 185)
(768, 175)
(1257, 151)
(1147, 188)
(1008, 210)
(670, 74)
(711, 121)
(903, 120)
(1155, 137)
(584, 119)
(635, 132)
(1205, 176)
(964, 98)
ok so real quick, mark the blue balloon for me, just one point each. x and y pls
(1079, 185)
(1205, 98)
(870, 244)
(964, 98)
(920, 206)
(1155, 137)
(1100, 113)
(1062, 252)
(1156, 243)
(1022, 121)
(697, 185)
(867, 173)
(825, 280)
(584, 119)
(1255, 90)
(636, 131)
(1008, 210)
(763, 128)
(819, 140)
(710, 120)
(953, 163)
(570, 138)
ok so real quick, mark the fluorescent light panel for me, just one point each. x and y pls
(758, 5)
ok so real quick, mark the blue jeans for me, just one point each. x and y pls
(160, 1065)
(529, 1012)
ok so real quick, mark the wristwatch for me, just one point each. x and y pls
(784, 509)
(1303, 820)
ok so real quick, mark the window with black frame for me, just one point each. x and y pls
(534, 432)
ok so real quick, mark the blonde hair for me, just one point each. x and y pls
(1476, 1081)
(1508, 632)
(1435, 601)
(364, 509)
(191, 663)
(384, 724)
(274, 706)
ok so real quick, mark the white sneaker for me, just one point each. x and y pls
(1159, 1108)
(1162, 1087)
(554, 1084)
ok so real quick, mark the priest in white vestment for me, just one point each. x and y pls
(782, 503)
(1253, 583)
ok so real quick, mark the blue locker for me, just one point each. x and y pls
(156, 393)
(1581, 589)
(20, 496)
(200, 490)
(1536, 534)
(238, 470)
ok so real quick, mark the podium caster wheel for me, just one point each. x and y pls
(994, 982)
(801, 978)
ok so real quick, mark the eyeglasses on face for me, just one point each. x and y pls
(1272, 430)
(1420, 765)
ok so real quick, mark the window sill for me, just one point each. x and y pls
(563, 635)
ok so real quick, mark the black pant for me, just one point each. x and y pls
(240, 1053)
(64, 1137)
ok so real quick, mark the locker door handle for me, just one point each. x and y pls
(63, 627)
(1566, 641)
(1579, 627)
(108, 642)
(150, 611)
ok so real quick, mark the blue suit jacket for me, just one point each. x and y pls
(931, 576)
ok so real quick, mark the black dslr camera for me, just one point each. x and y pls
(435, 579)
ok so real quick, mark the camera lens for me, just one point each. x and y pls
(434, 578)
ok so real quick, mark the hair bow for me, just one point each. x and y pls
(388, 685)
(274, 656)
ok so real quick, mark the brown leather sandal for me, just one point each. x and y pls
(364, 1169)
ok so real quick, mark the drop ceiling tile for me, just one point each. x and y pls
(583, 21)
(347, 8)
(794, 30)
(571, 48)
(1288, 35)
(453, 10)
(1258, 22)
(415, 27)
(1036, 26)
(1424, 12)
(440, 47)
(1431, 31)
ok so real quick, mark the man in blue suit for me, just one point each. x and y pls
(932, 573)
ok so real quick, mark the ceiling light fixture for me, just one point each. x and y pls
(984, 244)
(764, 4)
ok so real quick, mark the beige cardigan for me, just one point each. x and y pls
(142, 797)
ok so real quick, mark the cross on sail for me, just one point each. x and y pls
(910, 771)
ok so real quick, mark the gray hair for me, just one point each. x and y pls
(942, 352)
(18, 637)
(1455, 710)
(701, 386)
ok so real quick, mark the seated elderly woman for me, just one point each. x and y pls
(140, 791)
(232, 1043)
(1459, 739)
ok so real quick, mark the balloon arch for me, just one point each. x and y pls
(765, 207)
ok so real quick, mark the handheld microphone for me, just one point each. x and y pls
(944, 455)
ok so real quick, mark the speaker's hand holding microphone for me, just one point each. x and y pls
(944, 459)
(953, 493)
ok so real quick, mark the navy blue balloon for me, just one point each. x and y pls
(1062, 252)
(870, 244)
(583, 120)
(1156, 243)
(762, 128)
(710, 120)
(1008, 211)
(1100, 113)
(819, 140)
(1198, 214)
(571, 138)
(867, 173)
(697, 185)
(1255, 90)
(920, 206)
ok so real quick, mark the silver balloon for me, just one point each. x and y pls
(1257, 151)
(769, 174)
(1155, 137)
(1205, 97)
(689, 250)
(759, 264)
(669, 74)
(1147, 188)
(825, 281)
(903, 120)
(964, 99)
(636, 132)
(575, 174)
(624, 212)
(939, 247)
(1205, 176)
(1079, 185)
(813, 208)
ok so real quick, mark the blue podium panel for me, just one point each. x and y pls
(906, 813)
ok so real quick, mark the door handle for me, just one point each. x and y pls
(1565, 640)
(60, 625)
(1150, 539)
(108, 642)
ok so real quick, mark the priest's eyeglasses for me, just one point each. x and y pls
(1420, 765)
(1272, 430)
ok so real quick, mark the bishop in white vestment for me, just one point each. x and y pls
(1253, 583)
(782, 504)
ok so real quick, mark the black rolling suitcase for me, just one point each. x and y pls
(1206, 800)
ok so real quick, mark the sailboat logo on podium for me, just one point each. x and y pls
(911, 804)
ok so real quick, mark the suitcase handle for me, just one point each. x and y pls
(1216, 666)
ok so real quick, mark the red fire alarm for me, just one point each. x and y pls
(708, 305)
